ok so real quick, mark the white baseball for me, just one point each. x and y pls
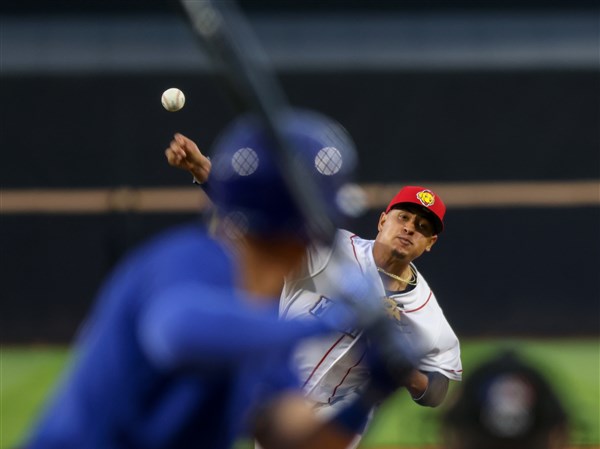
(172, 99)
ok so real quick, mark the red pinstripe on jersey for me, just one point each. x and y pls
(346, 375)
(421, 306)
(323, 359)
(352, 237)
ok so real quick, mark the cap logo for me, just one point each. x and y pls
(426, 197)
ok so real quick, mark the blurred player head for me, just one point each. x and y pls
(249, 188)
(257, 211)
(505, 404)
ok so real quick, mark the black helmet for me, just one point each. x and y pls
(505, 403)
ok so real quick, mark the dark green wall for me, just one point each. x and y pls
(527, 270)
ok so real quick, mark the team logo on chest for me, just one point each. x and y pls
(324, 305)
(321, 306)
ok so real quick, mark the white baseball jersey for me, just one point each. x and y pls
(332, 367)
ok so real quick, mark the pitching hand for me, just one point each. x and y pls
(183, 153)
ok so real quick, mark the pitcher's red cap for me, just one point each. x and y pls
(424, 197)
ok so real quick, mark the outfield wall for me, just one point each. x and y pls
(502, 268)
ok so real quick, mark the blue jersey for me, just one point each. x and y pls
(171, 356)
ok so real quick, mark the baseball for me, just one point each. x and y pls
(172, 99)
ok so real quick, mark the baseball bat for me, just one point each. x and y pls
(252, 84)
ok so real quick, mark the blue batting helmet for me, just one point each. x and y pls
(248, 187)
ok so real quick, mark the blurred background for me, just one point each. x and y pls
(493, 104)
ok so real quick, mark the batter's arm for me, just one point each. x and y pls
(191, 324)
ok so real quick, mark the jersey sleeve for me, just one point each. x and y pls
(444, 357)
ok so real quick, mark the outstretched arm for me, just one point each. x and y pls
(183, 153)
(196, 324)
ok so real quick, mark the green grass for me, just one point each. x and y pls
(571, 366)
(26, 378)
(28, 374)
